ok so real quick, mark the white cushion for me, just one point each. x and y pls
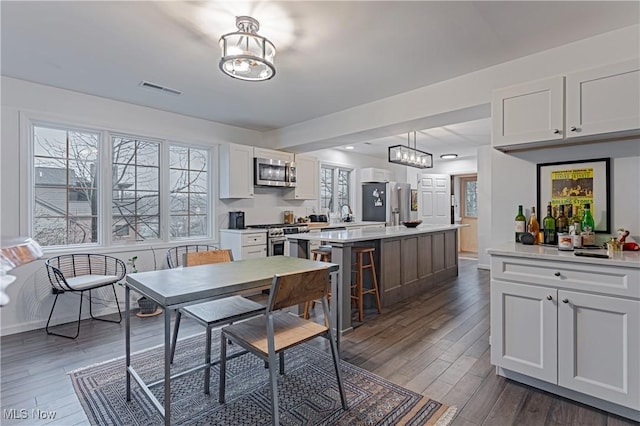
(84, 282)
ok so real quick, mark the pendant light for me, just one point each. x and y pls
(408, 156)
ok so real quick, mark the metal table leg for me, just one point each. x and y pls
(167, 367)
(127, 339)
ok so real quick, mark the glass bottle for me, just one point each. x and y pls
(562, 223)
(549, 227)
(574, 219)
(533, 227)
(520, 223)
(587, 223)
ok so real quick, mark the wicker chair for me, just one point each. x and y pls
(175, 255)
(78, 273)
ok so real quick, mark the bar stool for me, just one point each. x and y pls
(323, 254)
(358, 287)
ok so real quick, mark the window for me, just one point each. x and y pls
(335, 187)
(189, 183)
(135, 199)
(470, 193)
(152, 190)
(65, 186)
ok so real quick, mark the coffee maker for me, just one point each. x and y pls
(236, 220)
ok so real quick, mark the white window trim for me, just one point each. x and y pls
(336, 167)
(26, 121)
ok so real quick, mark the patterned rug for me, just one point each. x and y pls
(308, 393)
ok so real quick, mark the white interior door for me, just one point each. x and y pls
(434, 204)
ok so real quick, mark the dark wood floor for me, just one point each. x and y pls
(437, 345)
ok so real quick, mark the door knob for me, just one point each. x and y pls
(574, 129)
(557, 131)
(549, 297)
(565, 300)
(557, 274)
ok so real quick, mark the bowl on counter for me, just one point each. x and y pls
(412, 223)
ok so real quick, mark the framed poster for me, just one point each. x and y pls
(577, 183)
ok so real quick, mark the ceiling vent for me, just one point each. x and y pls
(154, 86)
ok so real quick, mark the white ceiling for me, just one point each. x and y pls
(331, 55)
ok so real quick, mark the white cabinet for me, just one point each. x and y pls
(603, 100)
(372, 174)
(243, 244)
(273, 154)
(599, 103)
(307, 179)
(236, 171)
(546, 325)
(528, 112)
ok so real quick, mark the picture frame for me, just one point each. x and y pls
(414, 200)
(577, 183)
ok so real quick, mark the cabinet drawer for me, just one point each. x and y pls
(577, 276)
(254, 251)
(253, 239)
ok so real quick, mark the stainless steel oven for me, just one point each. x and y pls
(277, 236)
(274, 173)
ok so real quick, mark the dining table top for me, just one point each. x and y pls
(184, 285)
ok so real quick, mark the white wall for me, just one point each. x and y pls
(513, 182)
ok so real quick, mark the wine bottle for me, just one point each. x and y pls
(562, 223)
(574, 219)
(587, 223)
(520, 224)
(549, 226)
(533, 227)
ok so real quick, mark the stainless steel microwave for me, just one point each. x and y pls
(274, 173)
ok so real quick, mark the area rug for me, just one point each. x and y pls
(308, 392)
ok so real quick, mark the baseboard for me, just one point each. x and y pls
(483, 266)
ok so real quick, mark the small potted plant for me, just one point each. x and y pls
(146, 306)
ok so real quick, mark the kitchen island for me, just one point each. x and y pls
(409, 261)
(567, 324)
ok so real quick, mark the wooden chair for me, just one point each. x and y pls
(215, 312)
(78, 273)
(274, 332)
(323, 254)
(175, 255)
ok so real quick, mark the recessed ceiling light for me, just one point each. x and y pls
(349, 147)
(448, 156)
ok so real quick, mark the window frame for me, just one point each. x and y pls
(336, 168)
(105, 243)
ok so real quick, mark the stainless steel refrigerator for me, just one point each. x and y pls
(388, 202)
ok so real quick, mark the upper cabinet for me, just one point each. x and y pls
(236, 171)
(372, 174)
(599, 103)
(307, 179)
(272, 154)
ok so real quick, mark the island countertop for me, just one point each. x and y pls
(628, 259)
(367, 234)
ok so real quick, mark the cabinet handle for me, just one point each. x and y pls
(574, 129)
(549, 297)
(557, 274)
(557, 131)
(565, 300)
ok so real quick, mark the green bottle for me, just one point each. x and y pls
(521, 223)
(549, 227)
(562, 223)
(587, 219)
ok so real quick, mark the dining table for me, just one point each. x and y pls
(171, 289)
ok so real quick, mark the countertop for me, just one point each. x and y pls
(368, 234)
(326, 225)
(245, 231)
(628, 259)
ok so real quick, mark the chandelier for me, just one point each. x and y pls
(408, 156)
(245, 54)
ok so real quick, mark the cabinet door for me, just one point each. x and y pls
(308, 180)
(524, 329)
(604, 100)
(530, 112)
(236, 171)
(273, 154)
(599, 346)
